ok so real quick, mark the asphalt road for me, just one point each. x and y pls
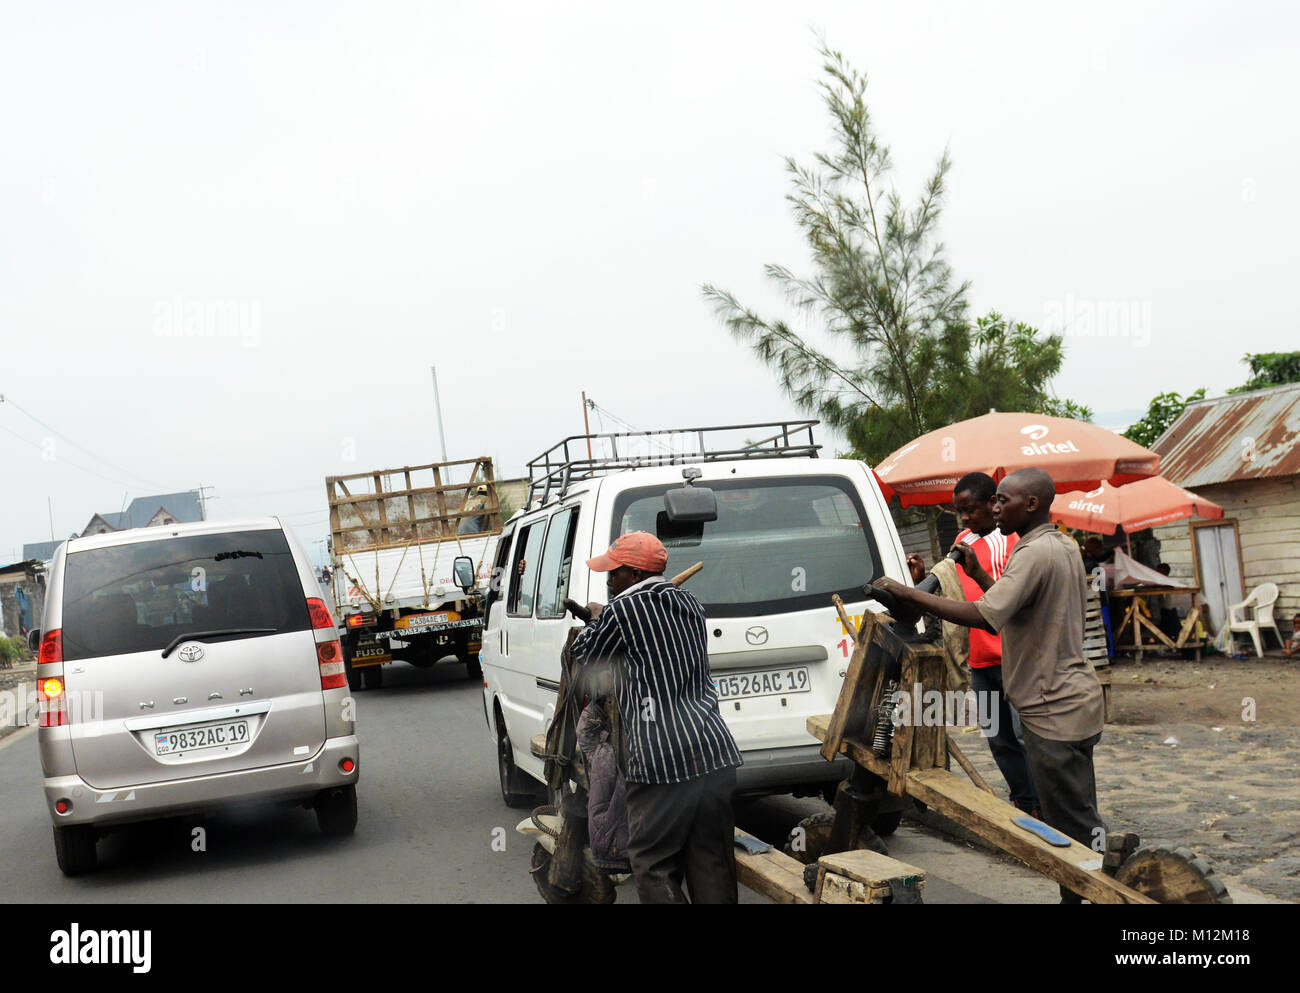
(430, 810)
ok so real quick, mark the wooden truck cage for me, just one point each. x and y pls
(381, 515)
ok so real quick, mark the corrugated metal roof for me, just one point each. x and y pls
(1240, 436)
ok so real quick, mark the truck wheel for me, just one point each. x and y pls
(372, 677)
(354, 675)
(74, 847)
(473, 667)
(515, 788)
(336, 811)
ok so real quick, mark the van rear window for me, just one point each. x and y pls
(778, 544)
(138, 597)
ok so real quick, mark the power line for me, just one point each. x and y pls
(66, 461)
(59, 434)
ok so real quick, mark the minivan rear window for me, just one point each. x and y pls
(138, 597)
(779, 544)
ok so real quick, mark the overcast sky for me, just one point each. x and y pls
(530, 195)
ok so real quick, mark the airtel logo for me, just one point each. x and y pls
(1094, 493)
(1035, 431)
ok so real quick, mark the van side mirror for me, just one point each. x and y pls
(34, 640)
(463, 571)
(690, 504)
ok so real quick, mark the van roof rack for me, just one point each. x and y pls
(575, 458)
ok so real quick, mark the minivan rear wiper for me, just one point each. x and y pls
(201, 635)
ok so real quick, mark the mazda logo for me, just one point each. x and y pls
(756, 636)
(190, 652)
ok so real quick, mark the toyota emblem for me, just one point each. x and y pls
(190, 652)
(756, 636)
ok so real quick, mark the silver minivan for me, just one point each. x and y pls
(186, 667)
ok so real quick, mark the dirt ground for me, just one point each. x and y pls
(1204, 754)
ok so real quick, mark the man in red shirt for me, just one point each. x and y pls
(982, 563)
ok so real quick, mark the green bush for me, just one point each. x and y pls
(12, 650)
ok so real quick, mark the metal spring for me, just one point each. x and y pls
(883, 732)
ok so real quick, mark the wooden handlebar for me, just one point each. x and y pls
(686, 574)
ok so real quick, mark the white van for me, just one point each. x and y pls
(791, 530)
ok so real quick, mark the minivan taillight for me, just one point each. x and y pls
(332, 672)
(52, 700)
(320, 614)
(51, 647)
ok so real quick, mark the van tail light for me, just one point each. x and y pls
(320, 614)
(51, 647)
(52, 700)
(332, 673)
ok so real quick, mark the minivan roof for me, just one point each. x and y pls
(163, 532)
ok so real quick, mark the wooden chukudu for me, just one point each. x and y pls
(916, 765)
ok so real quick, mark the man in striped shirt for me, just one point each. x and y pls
(681, 757)
(983, 562)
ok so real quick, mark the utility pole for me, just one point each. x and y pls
(586, 423)
(437, 403)
(203, 500)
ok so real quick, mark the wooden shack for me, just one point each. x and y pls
(1243, 452)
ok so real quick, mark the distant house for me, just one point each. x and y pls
(142, 512)
(1243, 452)
(22, 597)
(150, 511)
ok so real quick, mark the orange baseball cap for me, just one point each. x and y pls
(639, 549)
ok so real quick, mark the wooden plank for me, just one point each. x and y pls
(441, 499)
(773, 874)
(845, 620)
(840, 890)
(410, 468)
(872, 870)
(970, 770)
(1189, 625)
(853, 709)
(900, 762)
(928, 748)
(991, 819)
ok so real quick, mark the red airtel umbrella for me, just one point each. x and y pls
(1144, 504)
(1077, 455)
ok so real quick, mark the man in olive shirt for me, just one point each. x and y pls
(1038, 606)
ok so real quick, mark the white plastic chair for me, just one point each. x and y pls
(1256, 614)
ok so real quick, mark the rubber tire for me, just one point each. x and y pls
(817, 832)
(473, 667)
(74, 847)
(515, 790)
(336, 811)
(372, 677)
(597, 888)
(887, 823)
